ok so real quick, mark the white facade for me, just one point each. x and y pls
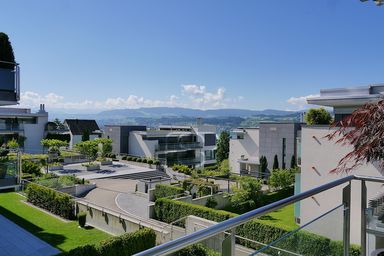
(191, 145)
(26, 124)
(244, 150)
(319, 156)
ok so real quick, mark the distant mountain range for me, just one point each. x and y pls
(154, 116)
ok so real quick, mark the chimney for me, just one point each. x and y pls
(199, 121)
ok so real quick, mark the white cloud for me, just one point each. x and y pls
(193, 96)
(301, 102)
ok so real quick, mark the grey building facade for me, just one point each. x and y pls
(120, 136)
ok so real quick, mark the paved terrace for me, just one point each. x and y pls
(16, 241)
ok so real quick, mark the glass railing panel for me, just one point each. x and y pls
(320, 236)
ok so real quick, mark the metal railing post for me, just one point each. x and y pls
(363, 218)
(347, 218)
(233, 242)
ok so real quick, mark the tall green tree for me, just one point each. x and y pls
(293, 162)
(317, 116)
(263, 166)
(88, 148)
(275, 163)
(59, 124)
(222, 146)
(6, 52)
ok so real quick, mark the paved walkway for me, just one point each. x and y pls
(15, 241)
(133, 204)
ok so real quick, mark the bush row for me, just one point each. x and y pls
(110, 155)
(197, 250)
(301, 242)
(124, 245)
(162, 190)
(51, 200)
(182, 169)
(141, 160)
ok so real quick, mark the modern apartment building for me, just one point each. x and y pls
(319, 156)
(247, 145)
(190, 145)
(19, 123)
(80, 128)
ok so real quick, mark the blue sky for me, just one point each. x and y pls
(92, 55)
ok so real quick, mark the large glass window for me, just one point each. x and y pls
(209, 139)
(210, 155)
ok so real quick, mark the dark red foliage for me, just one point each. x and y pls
(364, 130)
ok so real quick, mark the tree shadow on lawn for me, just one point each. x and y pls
(52, 239)
(268, 217)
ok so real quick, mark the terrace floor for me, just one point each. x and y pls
(16, 241)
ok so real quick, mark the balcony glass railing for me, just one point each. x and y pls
(178, 146)
(11, 127)
(259, 232)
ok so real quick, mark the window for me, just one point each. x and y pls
(210, 139)
(210, 155)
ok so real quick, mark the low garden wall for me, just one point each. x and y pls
(78, 189)
(221, 198)
(115, 223)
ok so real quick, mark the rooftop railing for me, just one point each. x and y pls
(223, 238)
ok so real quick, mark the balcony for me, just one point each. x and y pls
(182, 146)
(9, 84)
(228, 237)
(184, 161)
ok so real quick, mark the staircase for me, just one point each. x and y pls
(141, 175)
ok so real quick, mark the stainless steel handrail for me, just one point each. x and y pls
(203, 234)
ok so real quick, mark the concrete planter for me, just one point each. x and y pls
(91, 168)
(107, 162)
(55, 167)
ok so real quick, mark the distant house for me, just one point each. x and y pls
(80, 129)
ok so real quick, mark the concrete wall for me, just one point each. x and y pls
(319, 156)
(120, 136)
(114, 133)
(115, 223)
(271, 142)
(78, 189)
(249, 147)
(140, 147)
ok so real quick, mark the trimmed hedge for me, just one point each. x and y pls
(162, 190)
(197, 250)
(51, 200)
(301, 242)
(124, 245)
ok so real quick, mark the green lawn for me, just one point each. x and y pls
(62, 235)
(283, 217)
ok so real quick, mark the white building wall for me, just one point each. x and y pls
(200, 131)
(34, 133)
(78, 138)
(249, 147)
(319, 156)
(140, 147)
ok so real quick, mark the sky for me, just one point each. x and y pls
(92, 55)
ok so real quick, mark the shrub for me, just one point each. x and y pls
(211, 202)
(182, 168)
(139, 160)
(124, 158)
(162, 190)
(31, 167)
(150, 161)
(144, 161)
(113, 156)
(124, 245)
(281, 179)
(82, 217)
(303, 242)
(129, 158)
(197, 250)
(156, 162)
(128, 244)
(51, 200)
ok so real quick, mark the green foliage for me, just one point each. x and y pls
(57, 136)
(293, 162)
(124, 245)
(59, 124)
(58, 203)
(145, 160)
(105, 146)
(88, 148)
(182, 168)
(85, 136)
(263, 166)
(275, 196)
(53, 145)
(56, 182)
(246, 196)
(224, 167)
(316, 116)
(13, 144)
(275, 163)
(30, 167)
(162, 190)
(281, 179)
(211, 203)
(150, 161)
(197, 250)
(156, 162)
(204, 187)
(302, 242)
(6, 52)
(223, 146)
(82, 217)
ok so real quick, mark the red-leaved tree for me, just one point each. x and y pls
(364, 130)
